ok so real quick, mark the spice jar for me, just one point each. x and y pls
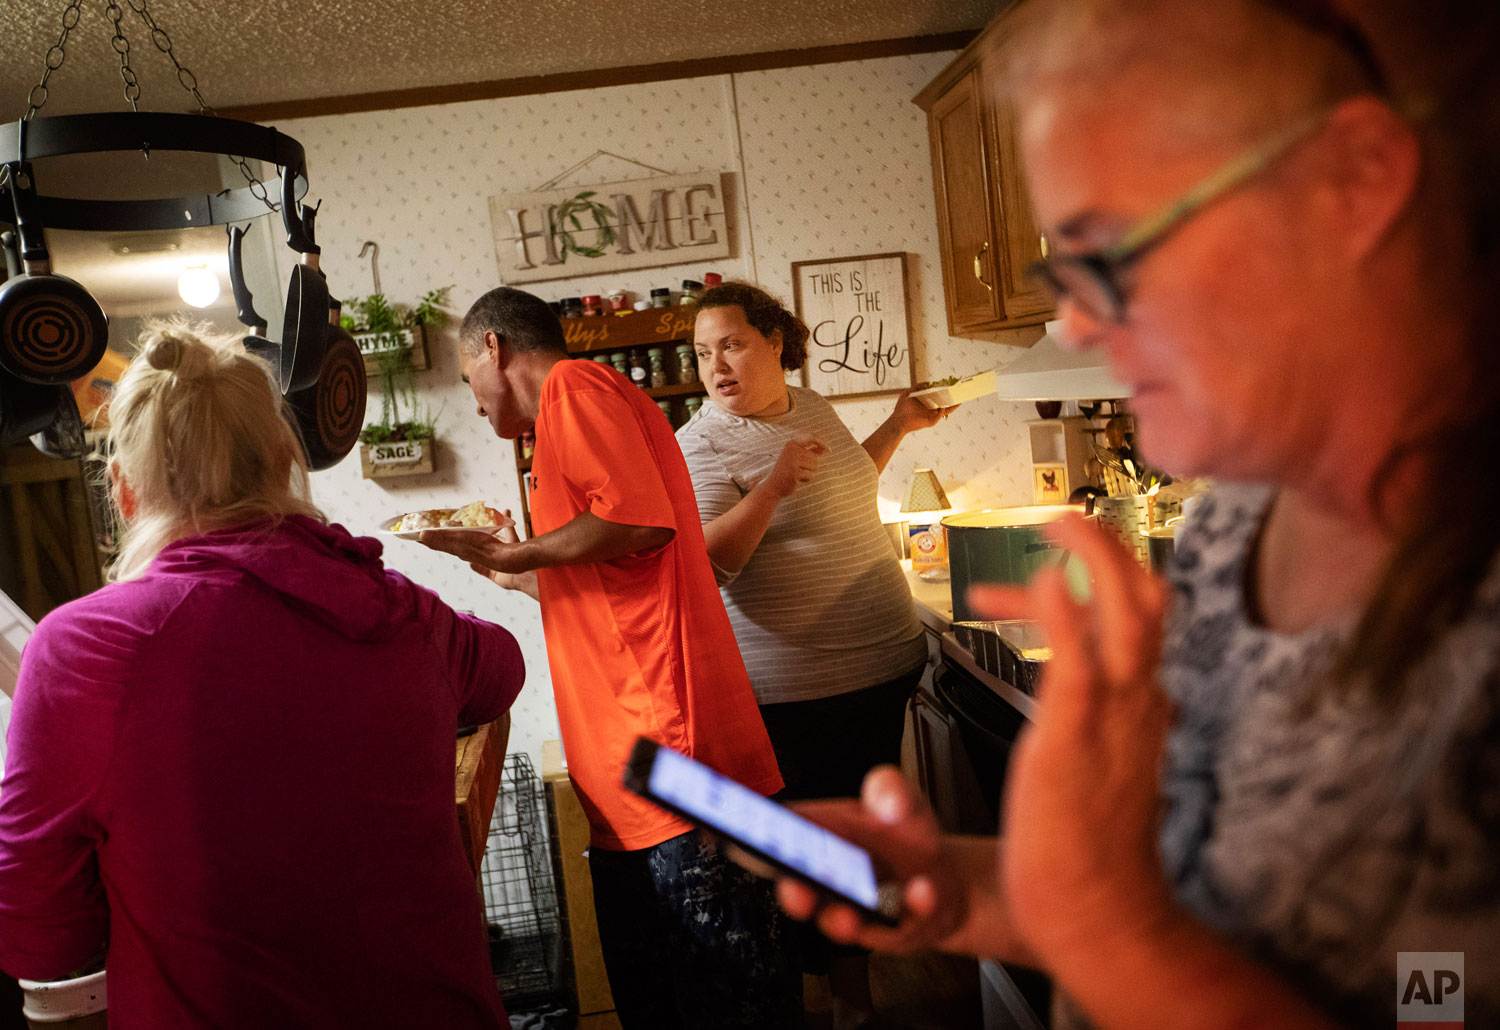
(666, 409)
(572, 307)
(692, 290)
(661, 297)
(687, 363)
(691, 406)
(603, 359)
(617, 300)
(527, 440)
(658, 364)
(621, 363)
(643, 305)
(640, 374)
(591, 305)
(712, 279)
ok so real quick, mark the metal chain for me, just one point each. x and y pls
(189, 82)
(56, 54)
(163, 42)
(122, 47)
(54, 59)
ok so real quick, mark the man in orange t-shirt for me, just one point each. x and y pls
(639, 645)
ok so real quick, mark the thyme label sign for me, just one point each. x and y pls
(412, 341)
(582, 230)
(374, 343)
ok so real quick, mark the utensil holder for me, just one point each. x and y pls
(1127, 518)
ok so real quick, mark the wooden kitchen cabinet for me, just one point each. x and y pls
(986, 229)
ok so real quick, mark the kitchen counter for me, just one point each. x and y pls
(934, 603)
(934, 600)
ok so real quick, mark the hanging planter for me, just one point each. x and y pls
(381, 327)
(413, 457)
(403, 441)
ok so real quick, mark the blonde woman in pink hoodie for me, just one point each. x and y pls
(231, 769)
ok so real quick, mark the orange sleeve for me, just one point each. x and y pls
(607, 460)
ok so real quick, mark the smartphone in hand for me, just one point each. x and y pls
(763, 828)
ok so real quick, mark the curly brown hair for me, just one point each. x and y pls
(766, 315)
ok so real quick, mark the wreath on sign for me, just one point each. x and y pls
(569, 219)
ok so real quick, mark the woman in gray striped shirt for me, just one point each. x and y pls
(819, 604)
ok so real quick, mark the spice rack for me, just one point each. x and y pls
(591, 335)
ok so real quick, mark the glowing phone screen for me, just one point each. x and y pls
(777, 832)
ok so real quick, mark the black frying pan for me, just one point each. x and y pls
(63, 437)
(244, 304)
(52, 330)
(27, 408)
(305, 328)
(328, 414)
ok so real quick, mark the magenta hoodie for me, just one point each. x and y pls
(237, 772)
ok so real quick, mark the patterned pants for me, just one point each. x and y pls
(692, 941)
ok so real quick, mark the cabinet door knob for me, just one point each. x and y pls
(979, 266)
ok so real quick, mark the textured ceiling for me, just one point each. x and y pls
(279, 50)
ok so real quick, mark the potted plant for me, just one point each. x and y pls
(391, 336)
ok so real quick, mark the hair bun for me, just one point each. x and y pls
(164, 353)
(169, 350)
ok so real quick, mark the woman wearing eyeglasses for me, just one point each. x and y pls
(1267, 794)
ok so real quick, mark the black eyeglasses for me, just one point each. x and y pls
(1095, 280)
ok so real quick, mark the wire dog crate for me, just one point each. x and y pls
(520, 895)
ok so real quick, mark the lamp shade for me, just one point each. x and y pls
(925, 493)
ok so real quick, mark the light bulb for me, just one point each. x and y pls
(198, 286)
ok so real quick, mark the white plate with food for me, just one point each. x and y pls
(955, 390)
(477, 517)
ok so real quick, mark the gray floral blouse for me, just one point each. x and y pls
(1325, 838)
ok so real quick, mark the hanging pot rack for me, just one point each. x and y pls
(24, 141)
(32, 138)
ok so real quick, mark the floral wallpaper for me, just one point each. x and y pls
(823, 161)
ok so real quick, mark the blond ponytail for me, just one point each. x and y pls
(197, 433)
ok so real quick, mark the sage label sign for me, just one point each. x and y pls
(855, 309)
(396, 453)
(581, 230)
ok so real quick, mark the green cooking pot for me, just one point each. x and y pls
(1005, 546)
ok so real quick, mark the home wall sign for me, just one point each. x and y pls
(570, 231)
(856, 311)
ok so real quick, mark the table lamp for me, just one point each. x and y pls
(924, 494)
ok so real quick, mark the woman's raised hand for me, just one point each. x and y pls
(1079, 857)
(799, 460)
(910, 415)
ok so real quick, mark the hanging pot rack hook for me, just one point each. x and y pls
(373, 249)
